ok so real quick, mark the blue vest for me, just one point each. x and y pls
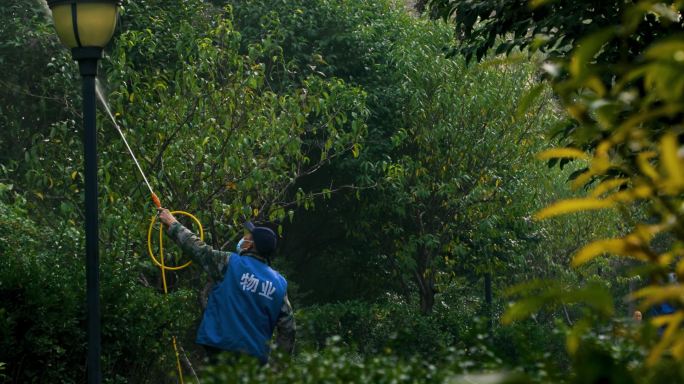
(243, 308)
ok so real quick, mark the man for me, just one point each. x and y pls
(249, 298)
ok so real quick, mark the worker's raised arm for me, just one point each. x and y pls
(211, 260)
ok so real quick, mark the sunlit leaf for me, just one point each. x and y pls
(652, 295)
(598, 248)
(528, 99)
(573, 205)
(522, 309)
(672, 323)
(607, 186)
(587, 49)
(570, 153)
(643, 162)
(670, 161)
(627, 196)
(666, 50)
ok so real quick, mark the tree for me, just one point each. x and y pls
(620, 87)
(457, 166)
(210, 134)
(550, 26)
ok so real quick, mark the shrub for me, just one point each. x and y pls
(42, 309)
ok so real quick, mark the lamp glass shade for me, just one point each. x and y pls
(95, 23)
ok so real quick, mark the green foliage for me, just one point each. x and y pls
(549, 26)
(42, 316)
(344, 39)
(354, 41)
(336, 364)
(267, 110)
(618, 83)
(630, 125)
(377, 328)
(452, 334)
(30, 53)
(458, 167)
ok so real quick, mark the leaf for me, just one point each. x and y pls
(587, 48)
(666, 50)
(528, 287)
(643, 162)
(572, 205)
(573, 338)
(607, 186)
(528, 99)
(668, 337)
(556, 153)
(670, 161)
(638, 193)
(356, 148)
(632, 245)
(653, 295)
(539, 3)
(522, 309)
(595, 296)
(598, 248)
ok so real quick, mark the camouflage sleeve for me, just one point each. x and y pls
(286, 329)
(211, 260)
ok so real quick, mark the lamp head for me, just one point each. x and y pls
(84, 23)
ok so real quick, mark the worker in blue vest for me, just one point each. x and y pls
(249, 298)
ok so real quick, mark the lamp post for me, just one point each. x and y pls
(86, 26)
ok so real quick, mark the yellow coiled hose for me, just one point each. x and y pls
(159, 262)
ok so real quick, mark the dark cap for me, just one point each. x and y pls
(265, 240)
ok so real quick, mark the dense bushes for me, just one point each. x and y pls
(393, 326)
(42, 311)
(376, 328)
(284, 111)
(337, 364)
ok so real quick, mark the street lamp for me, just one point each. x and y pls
(86, 26)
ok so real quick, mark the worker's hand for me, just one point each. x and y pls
(166, 217)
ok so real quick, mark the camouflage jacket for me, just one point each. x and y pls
(214, 263)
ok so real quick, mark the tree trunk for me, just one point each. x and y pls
(420, 6)
(427, 297)
(632, 305)
(488, 300)
(426, 282)
(426, 289)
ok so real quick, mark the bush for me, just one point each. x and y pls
(374, 328)
(335, 364)
(42, 309)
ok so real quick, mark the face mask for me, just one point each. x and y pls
(240, 243)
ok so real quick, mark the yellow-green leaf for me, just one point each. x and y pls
(644, 164)
(607, 186)
(522, 309)
(528, 99)
(627, 196)
(668, 337)
(598, 248)
(670, 160)
(652, 295)
(555, 153)
(572, 205)
(587, 49)
(667, 50)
